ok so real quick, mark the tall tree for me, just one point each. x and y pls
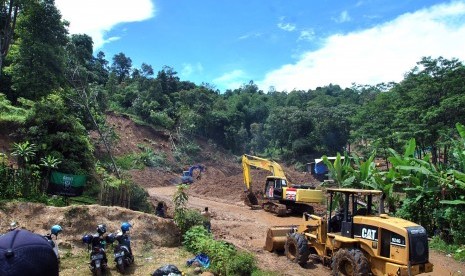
(37, 57)
(432, 101)
(8, 13)
(121, 66)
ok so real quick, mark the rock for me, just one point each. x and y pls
(197, 270)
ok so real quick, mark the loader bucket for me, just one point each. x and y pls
(276, 237)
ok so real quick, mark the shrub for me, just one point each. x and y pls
(457, 251)
(455, 216)
(150, 159)
(129, 161)
(225, 259)
(243, 263)
(161, 119)
(195, 237)
(188, 219)
(139, 199)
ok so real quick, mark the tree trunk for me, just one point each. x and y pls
(445, 159)
(434, 152)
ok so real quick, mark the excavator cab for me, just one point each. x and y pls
(274, 187)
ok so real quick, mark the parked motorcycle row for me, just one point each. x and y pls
(98, 242)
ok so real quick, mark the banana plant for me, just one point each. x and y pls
(458, 152)
(24, 152)
(363, 170)
(49, 162)
(340, 170)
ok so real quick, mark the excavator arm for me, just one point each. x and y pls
(249, 160)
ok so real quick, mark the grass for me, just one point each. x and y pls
(147, 260)
(456, 251)
(129, 161)
(10, 113)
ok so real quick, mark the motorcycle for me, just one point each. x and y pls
(96, 245)
(55, 230)
(122, 251)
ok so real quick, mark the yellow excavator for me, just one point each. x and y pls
(279, 197)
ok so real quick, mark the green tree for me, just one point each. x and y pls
(432, 100)
(121, 66)
(8, 13)
(37, 57)
(331, 127)
(101, 69)
(286, 125)
(60, 134)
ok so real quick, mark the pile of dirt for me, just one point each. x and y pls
(83, 219)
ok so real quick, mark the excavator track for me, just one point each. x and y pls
(276, 208)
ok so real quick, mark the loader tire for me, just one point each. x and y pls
(350, 262)
(296, 249)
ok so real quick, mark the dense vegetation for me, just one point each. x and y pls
(54, 91)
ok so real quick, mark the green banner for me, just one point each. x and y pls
(66, 184)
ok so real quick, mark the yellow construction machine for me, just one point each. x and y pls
(355, 241)
(279, 197)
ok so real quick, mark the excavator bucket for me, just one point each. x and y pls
(276, 237)
(251, 199)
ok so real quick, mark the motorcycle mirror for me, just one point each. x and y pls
(13, 225)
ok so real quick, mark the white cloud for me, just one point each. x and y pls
(381, 54)
(189, 69)
(250, 35)
(288, 27)
(343, 17)
(231, 80)
(95, 18)
(307, 35)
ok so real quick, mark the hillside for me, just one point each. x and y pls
(220, 187)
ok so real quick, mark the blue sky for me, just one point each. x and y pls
(284, 44)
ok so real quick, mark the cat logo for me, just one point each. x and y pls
(369, 234)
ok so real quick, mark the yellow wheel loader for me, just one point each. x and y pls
(279, 197)
(355, 241)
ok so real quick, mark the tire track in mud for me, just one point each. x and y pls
(236, 223)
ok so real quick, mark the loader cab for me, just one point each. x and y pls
(352, 202)
(274, 187)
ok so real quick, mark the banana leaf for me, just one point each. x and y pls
(452, 202)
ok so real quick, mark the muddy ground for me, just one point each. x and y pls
(220, 188)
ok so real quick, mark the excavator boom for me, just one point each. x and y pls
(261, 163)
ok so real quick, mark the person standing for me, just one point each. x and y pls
(206, 219)
(160, 211)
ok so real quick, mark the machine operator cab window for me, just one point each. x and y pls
(274, 187)
(352, 203)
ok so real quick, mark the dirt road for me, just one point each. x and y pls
(236, 223)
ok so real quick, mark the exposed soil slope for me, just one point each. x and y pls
(221, 188)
